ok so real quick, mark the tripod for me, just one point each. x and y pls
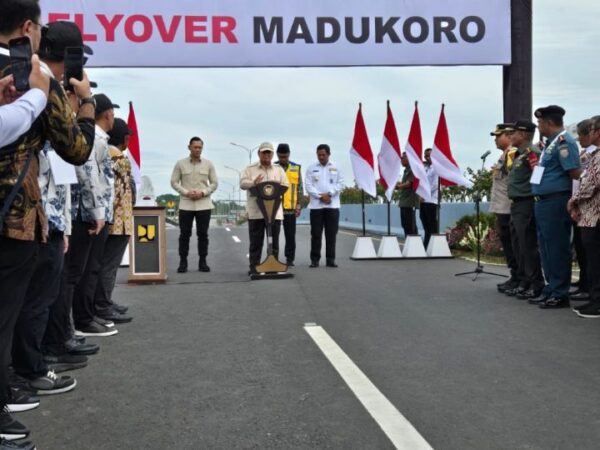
(478, 268)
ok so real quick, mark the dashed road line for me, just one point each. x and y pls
(236, 239)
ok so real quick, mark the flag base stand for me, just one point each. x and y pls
(413, 247)
(389, 248)
(438, 247)
(364, 249)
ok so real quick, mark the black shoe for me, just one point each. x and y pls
(121, 309)
(554, 303)
(314, 264)
(515, 291)
(104, 322)
(65, 362)
(203, 267)
(537, 300)
(582, 306)
(51, 384)
(79, 339)
(95, 329)
(529, 293)
(11, 429)
(9, 445)
(20, 400)
(510, 284)
(592, 311)
(75, 348)
(331, 264)
(115, 317)
(579, 296)
(182, 266)
(290, 263)
(252, 271)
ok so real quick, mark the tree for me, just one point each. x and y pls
(482, 186)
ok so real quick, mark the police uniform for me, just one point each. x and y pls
(291, 201)
(522, 218)
(500, 206)
(551, 187)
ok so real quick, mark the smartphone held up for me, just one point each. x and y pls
(20, 61)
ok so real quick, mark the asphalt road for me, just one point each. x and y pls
(214, 361)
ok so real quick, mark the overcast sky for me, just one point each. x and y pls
(305, 107)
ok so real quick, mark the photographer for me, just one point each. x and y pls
(23, 223)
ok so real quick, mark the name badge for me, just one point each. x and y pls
(536, 176)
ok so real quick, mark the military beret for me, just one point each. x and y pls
(524, 125)
(502, 128)
(549, 111)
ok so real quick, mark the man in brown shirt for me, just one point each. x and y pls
(24, 223)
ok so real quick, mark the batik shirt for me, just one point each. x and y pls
(92, 199)
(71, 138)
(123, 206)
(56, 199)
(588, 196)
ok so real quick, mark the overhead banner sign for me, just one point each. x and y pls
(284, 33)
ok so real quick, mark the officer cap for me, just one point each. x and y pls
(502, 128)
(283, 149)
(265, 147)
(550, 112)
(524, 125)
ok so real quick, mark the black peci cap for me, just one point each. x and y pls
(283, 149)
(57, 36)
(118, 132)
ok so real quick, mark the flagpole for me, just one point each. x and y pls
(363, 213)
(439, 204)
(389, 222)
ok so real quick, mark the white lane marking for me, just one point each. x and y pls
(236, 239)
(399, 430)
(228, 229)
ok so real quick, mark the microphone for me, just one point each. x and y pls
(486, 154)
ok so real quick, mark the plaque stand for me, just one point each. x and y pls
(268, 197)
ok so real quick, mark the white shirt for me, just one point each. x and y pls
(325, 179)
(17, 117)
(433, 179)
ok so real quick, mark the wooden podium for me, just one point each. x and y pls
(148, 246)
(268, 197)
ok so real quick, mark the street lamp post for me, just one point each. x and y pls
(239, 172)
(249, 150)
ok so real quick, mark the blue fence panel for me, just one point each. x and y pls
(376, 217)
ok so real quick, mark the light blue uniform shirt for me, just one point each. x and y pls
(561, 156)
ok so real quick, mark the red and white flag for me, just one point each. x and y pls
(361, 156)
(389, 161)
(414, 151)
(134, 147)
(442, 160)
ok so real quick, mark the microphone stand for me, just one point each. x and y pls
(479, 267)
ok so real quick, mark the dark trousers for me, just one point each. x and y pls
(84, 278)
(554, 238)
(582, 259)
(590, 237)
(17, 261)
(289, 229)
(323, 219)
(429, 219)
(27, 356)
(503, 226)
(525, 246)
(408, 220)
(256, 231)
(114, 248)
(186, 220)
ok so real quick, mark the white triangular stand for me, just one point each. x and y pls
(364, 249)
(413, 247)
(389, 248)
(125, 260)
(438, 247)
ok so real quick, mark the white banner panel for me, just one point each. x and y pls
(270, 33)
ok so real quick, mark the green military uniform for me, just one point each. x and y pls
(408, 200)
(522, 218)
